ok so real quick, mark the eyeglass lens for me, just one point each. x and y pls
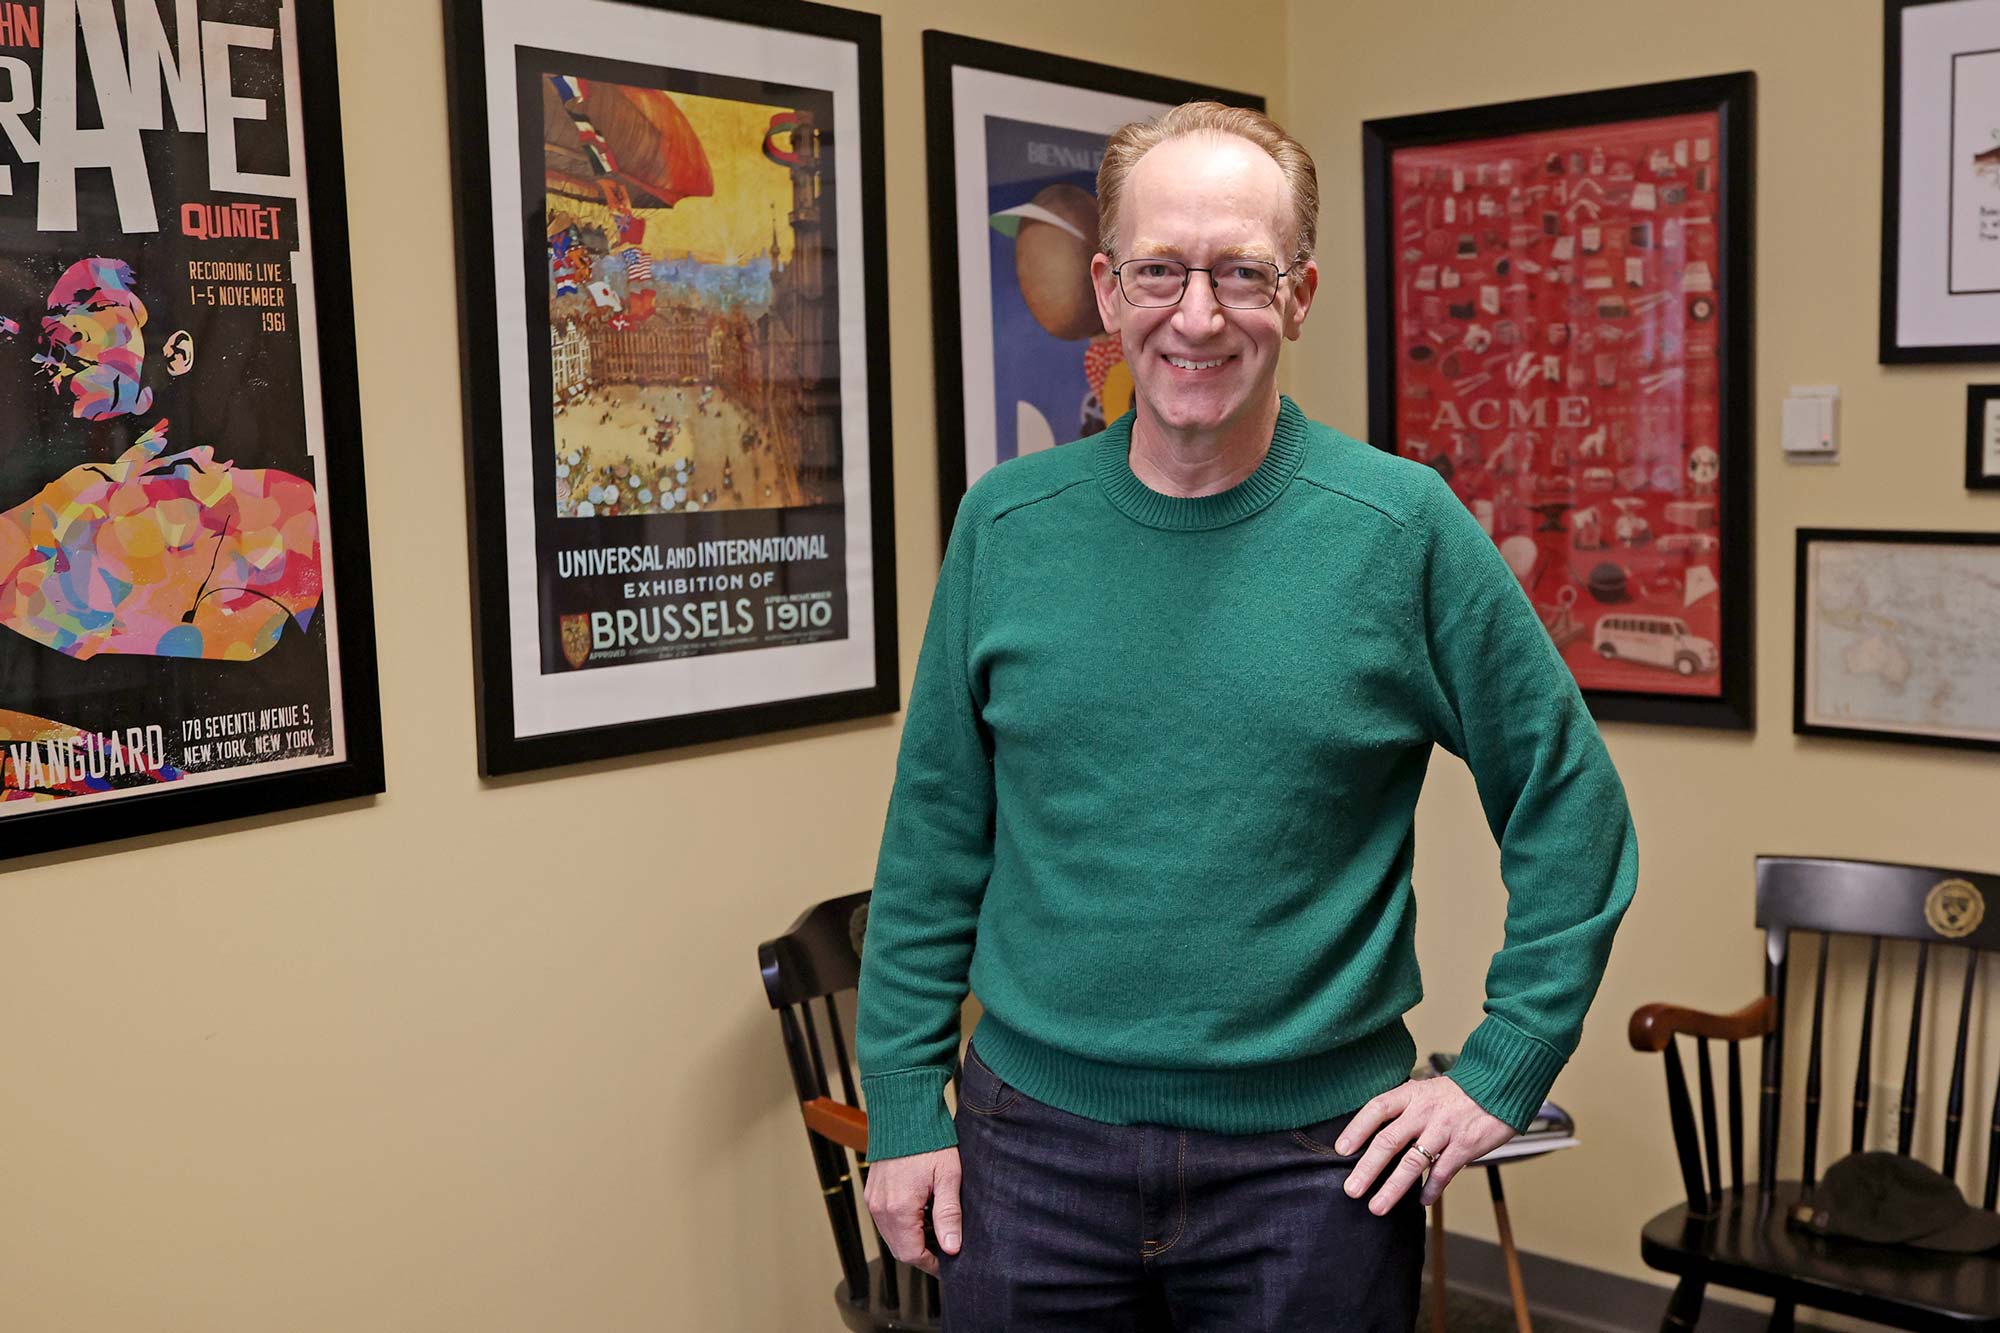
(1241, 284)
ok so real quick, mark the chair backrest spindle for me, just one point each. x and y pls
(1813, 1062)
(1776, 940)
(1906, 1113)
(1859, 1138)
(1711, 1140)
(1682, 1114)
(1736, 1117)
(1954, 1114)
(840, 1053)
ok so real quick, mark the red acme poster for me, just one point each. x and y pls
(1556, 316)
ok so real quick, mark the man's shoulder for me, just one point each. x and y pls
(1401, 489)
(1029, 479)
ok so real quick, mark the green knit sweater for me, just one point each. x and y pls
(1155, 798)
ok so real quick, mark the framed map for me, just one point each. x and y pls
(1897, 634)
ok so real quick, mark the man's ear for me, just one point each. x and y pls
(1305, 283)
(1104, 283)
(180, 352)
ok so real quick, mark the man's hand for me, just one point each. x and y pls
(898, 1189)
(1433, 1112)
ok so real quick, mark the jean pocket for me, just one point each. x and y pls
(1320, 1137)
(980, 1090)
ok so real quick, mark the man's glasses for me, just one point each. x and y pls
(1240, 284)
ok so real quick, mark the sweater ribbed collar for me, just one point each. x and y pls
(1188, 513)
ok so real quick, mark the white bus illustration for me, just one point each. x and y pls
(1661, 641)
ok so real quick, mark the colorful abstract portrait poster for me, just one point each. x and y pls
(685, 443)
(171, 503)
(1559, 327)
(1024, 363)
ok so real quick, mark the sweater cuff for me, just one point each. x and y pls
(1506, 1071)
(906, 1113)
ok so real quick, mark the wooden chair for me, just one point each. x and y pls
(1738, 1237)
(819, 957)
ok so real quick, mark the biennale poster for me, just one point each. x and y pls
(684, 420)
(1558, 330)
(168, 613)
(1064, 376)
(1016, 137)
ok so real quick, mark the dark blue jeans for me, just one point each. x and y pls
(1075, 1224)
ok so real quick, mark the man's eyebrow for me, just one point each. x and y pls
(1167, 250)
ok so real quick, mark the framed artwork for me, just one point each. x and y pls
(1559, 323)
(1023, 363)
(1895, 636)
(185, 625)
(1982, 437)
(1941, 181)
(675, 314)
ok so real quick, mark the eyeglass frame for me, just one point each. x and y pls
(1118, 279)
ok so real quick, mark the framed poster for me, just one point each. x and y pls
(1895, 636)
(185, 626)
(1941, 181)
(1559, 323)
(1982, 437)
(1023, 362)
(676, 372)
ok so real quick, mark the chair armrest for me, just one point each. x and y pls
(844, 1124)
(1653, 1025)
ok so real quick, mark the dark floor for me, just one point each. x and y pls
(1465, 1312)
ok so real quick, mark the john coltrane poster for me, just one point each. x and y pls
(169, 611)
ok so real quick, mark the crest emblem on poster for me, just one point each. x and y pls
(576, 640)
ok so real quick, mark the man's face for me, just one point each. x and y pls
(93, 344)
(1205, 199)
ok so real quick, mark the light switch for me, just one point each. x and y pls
(1810, 428)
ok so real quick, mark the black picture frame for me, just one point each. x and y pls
(1908, 198)
(1732, 99)
(503, 746)
(1981, 472)
(944, 54)
(173, 806)
(1804, 723)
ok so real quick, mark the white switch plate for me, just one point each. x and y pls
(1811, 423)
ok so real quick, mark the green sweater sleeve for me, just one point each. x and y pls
(1506, 703)
(937, 853)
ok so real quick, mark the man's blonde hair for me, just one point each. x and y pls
(1131, 142)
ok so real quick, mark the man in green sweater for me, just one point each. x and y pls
(1155, 803)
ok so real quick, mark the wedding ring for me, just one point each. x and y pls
(1429, 1156)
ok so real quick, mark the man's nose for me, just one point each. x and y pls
(1199, 313)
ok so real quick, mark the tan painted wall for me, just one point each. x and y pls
(473, 1056)
(493, 1055)
(1704, 803)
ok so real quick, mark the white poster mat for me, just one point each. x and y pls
(609, 696)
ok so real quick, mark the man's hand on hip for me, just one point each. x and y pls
(898, 1189)
(1434, 1114)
